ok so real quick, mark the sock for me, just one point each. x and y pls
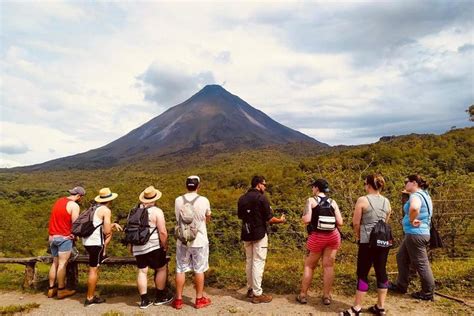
(144, 296)
(160, 293)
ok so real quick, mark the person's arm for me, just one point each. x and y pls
(387, 219)
(74, 210)
(337, 213)
(269, 213)
(106, 218)
(161, 226)
(308, 211)
(414, 210)
(357, 217)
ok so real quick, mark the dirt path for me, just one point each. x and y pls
(225, 303)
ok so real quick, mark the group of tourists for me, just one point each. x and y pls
(147, 238)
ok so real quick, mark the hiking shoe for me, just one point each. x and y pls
(202, 302)
(145, 303)
(177, 303)
(264, 298)
(326, 300)
(301, 299)
(423, 296)
(351, 312)
(65, 293)
(250, 293)
(393, 287)
(377, 311)
(93, 301)
(52, 291)
(163, 299)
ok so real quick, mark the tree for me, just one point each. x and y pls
(471, 113)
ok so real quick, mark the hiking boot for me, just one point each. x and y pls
(393, 287)
(202, 302)
(423, 296)
(62, 293)
(145, 303)
(163, 299)
(177, 303)
(52, 291)
(264, 298)
(93, 301)
(250, 293)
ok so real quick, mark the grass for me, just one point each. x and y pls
(14, 309)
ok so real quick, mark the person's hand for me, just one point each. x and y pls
(282, 218)
(117, 227)
(416, 223)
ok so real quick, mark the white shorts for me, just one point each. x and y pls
(192, 259)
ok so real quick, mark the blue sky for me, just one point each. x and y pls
(77, 75)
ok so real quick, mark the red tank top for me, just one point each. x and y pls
(60, 220)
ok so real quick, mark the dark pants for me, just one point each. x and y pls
(413, 252)
(366, 258)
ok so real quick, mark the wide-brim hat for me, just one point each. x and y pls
(149, 195)
(105, 195)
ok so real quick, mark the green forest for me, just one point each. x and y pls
(446, 161)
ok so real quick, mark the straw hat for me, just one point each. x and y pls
(105, 195)
(149, 195)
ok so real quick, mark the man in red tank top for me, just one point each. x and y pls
(64, 212)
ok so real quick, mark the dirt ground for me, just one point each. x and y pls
(226, 302)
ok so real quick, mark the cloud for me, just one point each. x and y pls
(13, 147)
(168, 85)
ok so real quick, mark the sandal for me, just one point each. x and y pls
(351, 312)
(301, 299)
(326, 300)
(377, 311)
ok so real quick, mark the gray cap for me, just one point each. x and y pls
(77, 190)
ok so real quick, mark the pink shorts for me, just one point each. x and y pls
(318, 241)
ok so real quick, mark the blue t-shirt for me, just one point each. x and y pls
(424, 216)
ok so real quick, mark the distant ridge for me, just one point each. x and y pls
(212, 118)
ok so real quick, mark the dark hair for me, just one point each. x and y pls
(321, 184)
(192, 184)
(419, 180)
(376, 181)
(256, 180)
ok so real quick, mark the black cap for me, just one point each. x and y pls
(321, 184)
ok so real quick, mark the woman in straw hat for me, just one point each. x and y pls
(153, 253)
(96, 243)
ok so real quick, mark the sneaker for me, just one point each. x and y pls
(65, 293)
(326, 300)
(202, 302)
(393, 287)
(93, 301)
(301, 299)
(145, 303)
(163, 299)
(264, 298)
(377, 311)
(52, 292)
(423, 296)
(177, 303)
(250, 293)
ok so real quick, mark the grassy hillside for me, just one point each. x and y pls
(447, 161)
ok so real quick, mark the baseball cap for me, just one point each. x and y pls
(192, 181)
(77, 190)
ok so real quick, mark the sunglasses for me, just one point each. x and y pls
(264, 184)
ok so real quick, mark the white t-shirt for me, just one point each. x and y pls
(202, 208)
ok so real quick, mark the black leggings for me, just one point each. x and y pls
(365, 259)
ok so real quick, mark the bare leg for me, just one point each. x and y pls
(329, 257)
(92, 281)
(53, 272)
(180, 278)
(359, 297)
(310, 264)
(160, 277)
(63, 257)
(381, 295)
(142, 280)
(199, 281)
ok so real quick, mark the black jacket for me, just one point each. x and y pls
(254, 211)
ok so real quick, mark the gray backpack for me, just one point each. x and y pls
(186, 227)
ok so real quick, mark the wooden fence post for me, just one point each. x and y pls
(30, 275)
(72, 275)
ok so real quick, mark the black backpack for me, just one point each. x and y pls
(435, 238)
(381, 234)
(323, 217)
(137, 229)
(83, 226)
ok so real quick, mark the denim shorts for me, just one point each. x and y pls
(60, 244)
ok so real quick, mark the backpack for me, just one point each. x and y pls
(137, 229)
(186, 228)
(381, 234)
(323, 217)
(83, 226)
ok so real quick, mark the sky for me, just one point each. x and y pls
(76, 75)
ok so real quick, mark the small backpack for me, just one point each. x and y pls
(323, 217)
(137, 229)
(83, 226)
(186, 228)
(381, 234)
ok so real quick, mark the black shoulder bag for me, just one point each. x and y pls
(435, 238)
